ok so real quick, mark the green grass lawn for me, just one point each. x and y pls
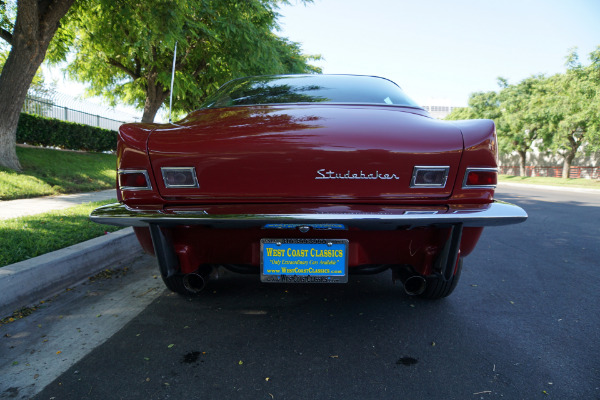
(540, 180)
(31, 236)
(50, 172)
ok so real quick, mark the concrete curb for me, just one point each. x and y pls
(27, 282)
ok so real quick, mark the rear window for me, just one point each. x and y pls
(284, 89)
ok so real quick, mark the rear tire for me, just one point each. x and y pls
(437, 287)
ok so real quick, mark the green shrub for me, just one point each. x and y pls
(41, 131)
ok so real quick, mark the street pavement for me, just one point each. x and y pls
(522, 324)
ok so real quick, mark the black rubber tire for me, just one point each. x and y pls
(437, 288)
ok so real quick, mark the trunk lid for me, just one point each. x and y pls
(292, 153)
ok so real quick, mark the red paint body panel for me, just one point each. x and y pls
(481, 150)
(132, 153)
(274, 153)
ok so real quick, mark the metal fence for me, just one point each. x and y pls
(48, 108)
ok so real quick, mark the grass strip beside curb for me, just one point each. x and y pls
(26, 237)
(50, 172)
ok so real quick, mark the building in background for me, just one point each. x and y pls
(440, 111)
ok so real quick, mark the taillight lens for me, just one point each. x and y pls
(179, 177)
(134, 180)
(480, 178)
(429, 177)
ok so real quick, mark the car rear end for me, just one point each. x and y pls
(309, 192)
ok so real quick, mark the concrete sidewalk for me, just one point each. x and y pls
(27, 282)
(22, 207)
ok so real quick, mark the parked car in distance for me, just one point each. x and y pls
(309, 179)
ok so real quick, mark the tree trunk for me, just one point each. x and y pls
(570, 156)
(35, 26)
(155, 96)
(522, 161)
(17, 74)
(566, 172)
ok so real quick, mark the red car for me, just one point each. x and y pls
(309, 178)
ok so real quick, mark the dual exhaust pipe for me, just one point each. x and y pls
(414, 284)
(196, 281)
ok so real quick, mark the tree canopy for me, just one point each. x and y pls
(124, 49)
(559, 113)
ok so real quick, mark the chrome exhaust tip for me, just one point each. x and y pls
(194, 282)
(414, 285)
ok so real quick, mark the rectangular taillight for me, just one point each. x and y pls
(179, 177)
(429, 176)
(134, 179)
(480, 178)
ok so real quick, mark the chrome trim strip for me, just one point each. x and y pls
(134, 171)
(464, 184)
(191, 169)
(417, 168)
(493, 214)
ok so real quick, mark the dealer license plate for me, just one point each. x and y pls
(304, 260)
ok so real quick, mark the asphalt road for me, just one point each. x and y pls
(523, 323)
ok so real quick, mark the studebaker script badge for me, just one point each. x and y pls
(323, 174)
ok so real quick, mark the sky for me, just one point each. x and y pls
(440, 51)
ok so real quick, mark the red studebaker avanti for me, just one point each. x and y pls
(309, 178)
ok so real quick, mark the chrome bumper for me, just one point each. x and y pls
(359, 216)
(320, 216)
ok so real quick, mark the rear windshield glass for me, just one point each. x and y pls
(309, 89)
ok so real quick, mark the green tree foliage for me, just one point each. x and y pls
(481, 105)
(523, 117)
(574, 108)
(124, 49)
(560, 113)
